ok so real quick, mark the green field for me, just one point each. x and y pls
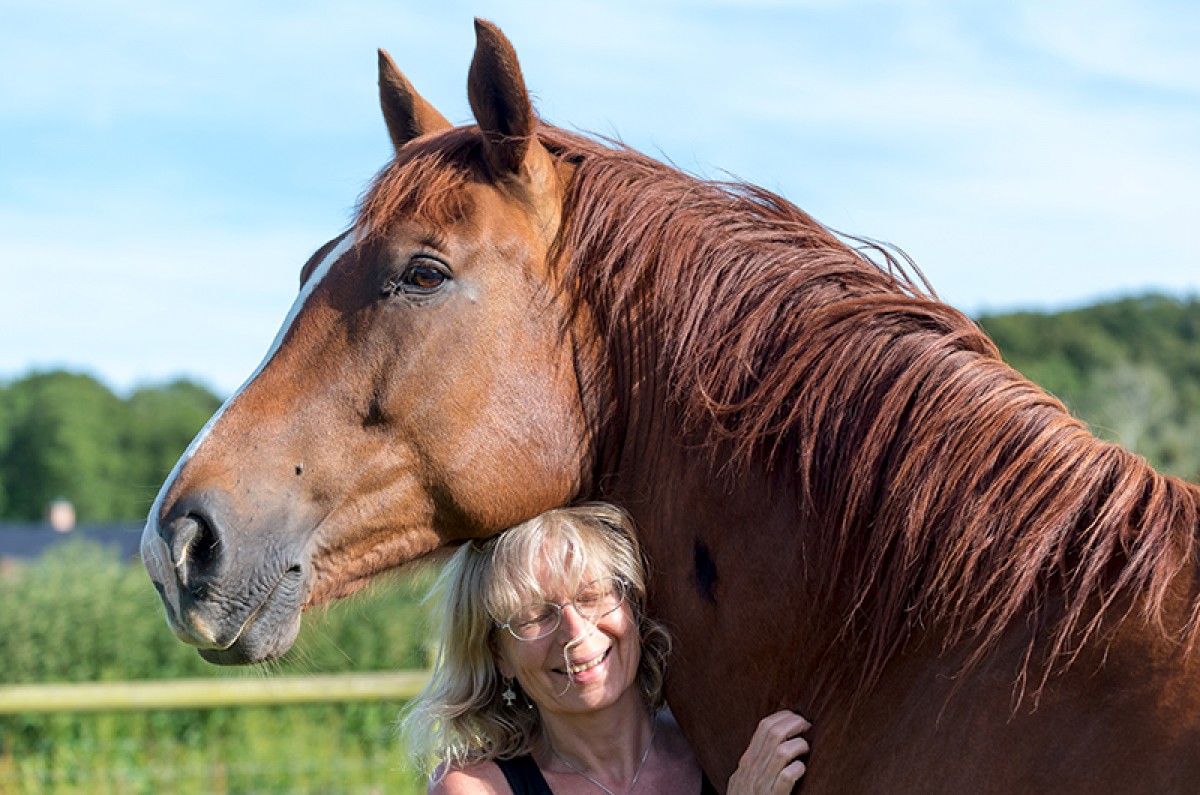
(81, 615)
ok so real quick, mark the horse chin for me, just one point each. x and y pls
(241, 637)
(268, 635)
(249, 649)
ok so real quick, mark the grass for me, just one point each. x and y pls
(82, 615)
(321, 749)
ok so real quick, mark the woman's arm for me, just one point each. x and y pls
(772, 764)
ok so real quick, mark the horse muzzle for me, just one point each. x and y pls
(234, 612)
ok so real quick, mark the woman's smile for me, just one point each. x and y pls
(577, 670)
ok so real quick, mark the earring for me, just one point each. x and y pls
(508, 695)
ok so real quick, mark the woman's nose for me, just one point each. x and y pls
(574, 622)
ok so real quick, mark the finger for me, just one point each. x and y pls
(797, 746)
(792, 722)
(774, 747)
(785, 724)
(785, 755)
(771, 732)
(767, 768)
(777, 729)
(788, 777)
(786, 721)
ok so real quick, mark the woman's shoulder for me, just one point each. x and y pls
(676, 770)
(483, 778)
(672, 736)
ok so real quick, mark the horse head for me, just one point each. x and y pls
(421, 392)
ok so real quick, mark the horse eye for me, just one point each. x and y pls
(419, 278)
(424, 277)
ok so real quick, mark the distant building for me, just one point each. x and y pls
(25, 541)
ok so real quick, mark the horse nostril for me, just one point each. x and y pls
(194, 549)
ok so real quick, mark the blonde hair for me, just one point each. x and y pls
(459, 719)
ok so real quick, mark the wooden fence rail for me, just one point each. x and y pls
(202, 693)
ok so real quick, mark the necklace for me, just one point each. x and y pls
(636, 773)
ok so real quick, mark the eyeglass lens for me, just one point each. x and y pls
(593, 601)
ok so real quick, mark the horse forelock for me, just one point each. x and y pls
(946, 489)
(424, 180)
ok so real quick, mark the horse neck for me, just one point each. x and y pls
(952, 512)
(750, 358)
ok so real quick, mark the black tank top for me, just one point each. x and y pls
(524, 778)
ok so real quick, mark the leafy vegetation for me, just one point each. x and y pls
(80, 614)
(1129, 368)
(65, 435)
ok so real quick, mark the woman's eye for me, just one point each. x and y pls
(532, 616)
(419, 278)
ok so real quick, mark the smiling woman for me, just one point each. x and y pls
(550, 673)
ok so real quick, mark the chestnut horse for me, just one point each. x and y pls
(851, 505)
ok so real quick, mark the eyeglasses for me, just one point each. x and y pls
(593, 601)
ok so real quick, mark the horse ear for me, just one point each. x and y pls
(406, 112)
(499, 100)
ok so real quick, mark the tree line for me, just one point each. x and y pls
(67, 436)
(1130, 368)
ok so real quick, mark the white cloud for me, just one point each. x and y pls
(1154, 44)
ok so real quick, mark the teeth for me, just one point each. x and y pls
(587, 666)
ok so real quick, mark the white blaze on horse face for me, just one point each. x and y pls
(151, 530)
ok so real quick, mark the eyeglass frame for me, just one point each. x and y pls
(623, 586)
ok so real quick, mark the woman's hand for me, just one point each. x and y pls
(772, 764)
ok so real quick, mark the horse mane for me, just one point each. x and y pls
(943, 487)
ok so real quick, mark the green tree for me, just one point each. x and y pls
(64, 441)
(1127, 402)
(5, 427)
(66, 435)
(1130, 368)
(162, 421)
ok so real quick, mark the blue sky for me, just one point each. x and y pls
(166, 168)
